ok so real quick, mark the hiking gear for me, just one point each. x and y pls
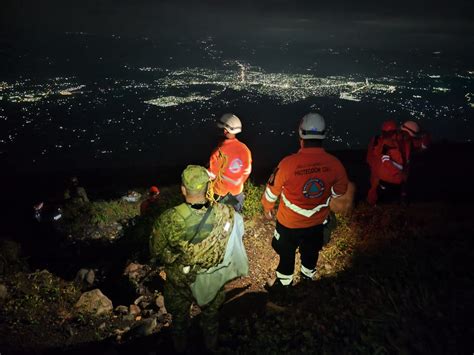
(231, 123)
(201, 224)
(195, 178)
(411, 127)
(234, 264)
(277, 292)
(305, 278)
(312, 126)
(229, 167)
(308, 273)
(306, 182)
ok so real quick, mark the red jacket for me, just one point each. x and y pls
(306, 182)
(390, 157)
(230, 166)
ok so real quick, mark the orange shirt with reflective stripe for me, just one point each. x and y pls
(307, 179)
(235, 168)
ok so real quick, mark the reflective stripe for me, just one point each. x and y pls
(333, 193)
(395, 164)
(302, 211)
(284, 279)
(248, 170)
(398, 166)
(308, 272)
(211, 175)
(276, 235)
(385, 158)
(270, 196)
(232, 181)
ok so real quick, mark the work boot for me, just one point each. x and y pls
(305, 279)
(277, 291)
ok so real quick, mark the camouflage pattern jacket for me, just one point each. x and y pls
(171, 235)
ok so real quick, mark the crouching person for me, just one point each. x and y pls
(200, 244)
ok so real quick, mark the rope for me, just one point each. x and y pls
(210, 188)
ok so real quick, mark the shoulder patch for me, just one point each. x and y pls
(271, 180)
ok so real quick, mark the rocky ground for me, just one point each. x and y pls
(392, 279)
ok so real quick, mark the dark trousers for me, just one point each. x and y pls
(309, 240)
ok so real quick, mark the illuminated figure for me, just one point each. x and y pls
(306, 182)
(200, 245)
(230, 164)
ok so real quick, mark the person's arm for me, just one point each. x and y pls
(344, 203)
(247, 165)
(166, 241)
(214, 164)
(273, 190)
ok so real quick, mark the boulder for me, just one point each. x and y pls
(121, 309)
(160, 303)
(134, 309)
(85, 277)
(94, 302)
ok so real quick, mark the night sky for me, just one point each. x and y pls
(365, 23)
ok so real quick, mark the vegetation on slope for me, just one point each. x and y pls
(392, 279)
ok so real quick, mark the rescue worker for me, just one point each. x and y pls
(74, 192)
(191, 241)
(230, 164)
(390, 165)
(305, 182)
(420, 140)
(378, 159)
(416, 141)
(152, 199)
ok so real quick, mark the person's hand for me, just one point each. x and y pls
(268, 214)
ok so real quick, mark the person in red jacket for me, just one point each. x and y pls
(153, 194)
(305, 182)
(416, 141)
(230, 164)
(420, 141)
(387, 156)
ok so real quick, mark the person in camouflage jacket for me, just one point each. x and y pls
(185, 246)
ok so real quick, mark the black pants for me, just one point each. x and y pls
(309, 240)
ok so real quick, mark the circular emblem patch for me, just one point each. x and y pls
(235, 165)
(313, 188)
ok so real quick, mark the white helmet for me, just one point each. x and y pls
(231, 123)
(312, 126)
(411, 127)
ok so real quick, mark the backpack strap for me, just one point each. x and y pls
(203, 221)
(185, 212)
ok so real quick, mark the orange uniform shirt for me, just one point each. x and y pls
(233, 161)
(305, 182)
